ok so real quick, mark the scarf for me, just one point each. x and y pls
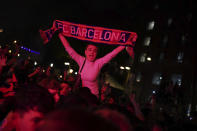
(91, 33)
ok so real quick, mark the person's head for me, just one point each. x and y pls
(91, 52)
(72, 100)
(75, 119)
(31, 103)
(65, 89)
(114, 116)
(53, 87)
(86, 94)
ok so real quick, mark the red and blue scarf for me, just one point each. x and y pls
(91, 33)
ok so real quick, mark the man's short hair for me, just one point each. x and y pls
(33, 97)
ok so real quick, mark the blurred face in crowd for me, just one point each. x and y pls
(29, 121)
(55, 94)
(65, 89)
(91, 52)
(53, 88)
(22, 121)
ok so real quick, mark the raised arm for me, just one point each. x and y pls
(136, 107)
(73, 54)
(109, 56)
(36, 71)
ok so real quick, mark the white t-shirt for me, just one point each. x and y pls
(91, 70)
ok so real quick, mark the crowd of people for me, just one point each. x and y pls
(35, 100)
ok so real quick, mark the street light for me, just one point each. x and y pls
(71, 71)
(35, 63)
(149, 59)
(51, 65)
(122, 68)
(127, 68)
(66, 63)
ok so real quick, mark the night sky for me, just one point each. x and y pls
(21, 20)
(26, 17)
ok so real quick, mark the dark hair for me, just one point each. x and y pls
(91, 43)
(31, 97)
(75, 119)
(86, 94)
(71, 100)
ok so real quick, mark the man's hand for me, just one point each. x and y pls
(130, 51)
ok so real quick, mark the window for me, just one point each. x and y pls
(189, 17)
(147, 41)
(161, 57)
(165, 41)
(180, 57)
(156, 6)
(138, 77)
(170, 21)
(151, 25)
(183, 39)
(177, 79)
(1, 30)
(143, 57)
(157, 77)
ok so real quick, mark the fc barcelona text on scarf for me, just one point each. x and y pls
(92, 33)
